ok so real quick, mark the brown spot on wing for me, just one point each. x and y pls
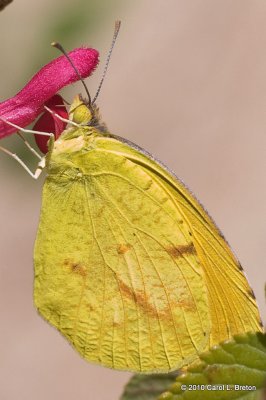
(123, 248)
(187, 305)
(141, 300)
(75, 267)
(79, 269)
(240, 267)
(251, 293)
(180, 250)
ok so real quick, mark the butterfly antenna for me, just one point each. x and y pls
(116, 31)
(60, 48)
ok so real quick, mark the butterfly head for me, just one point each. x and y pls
(83, 113)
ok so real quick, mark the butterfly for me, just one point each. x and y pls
(129, 267)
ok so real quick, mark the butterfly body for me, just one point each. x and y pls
(128, 265)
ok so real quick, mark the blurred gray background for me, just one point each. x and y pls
(187, 82)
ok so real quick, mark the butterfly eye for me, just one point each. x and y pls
(82, 115)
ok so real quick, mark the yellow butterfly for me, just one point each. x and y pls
(129, 267)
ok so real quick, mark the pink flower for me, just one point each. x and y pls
(25, 107)
(50, 123)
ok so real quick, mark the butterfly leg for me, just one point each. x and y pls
(25, 130)
(29, 146)
(41, 164)
(34, 175)
(68, 121)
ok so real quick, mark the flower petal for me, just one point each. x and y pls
(50, 123)
(24, 108)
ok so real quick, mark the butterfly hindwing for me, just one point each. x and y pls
(128, 266)
(122, 280)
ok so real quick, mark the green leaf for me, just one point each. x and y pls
(147, 387)
(241, 362)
